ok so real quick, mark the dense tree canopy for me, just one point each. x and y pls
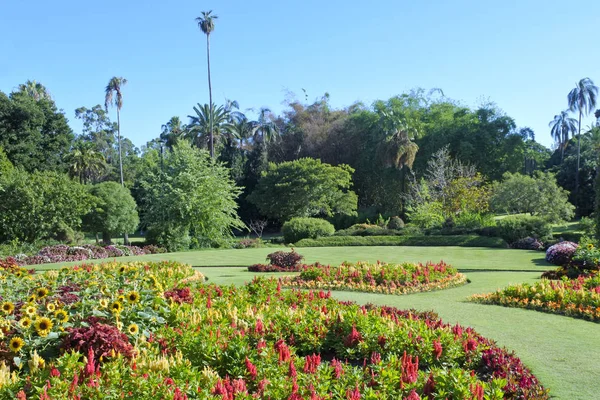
(304, 188)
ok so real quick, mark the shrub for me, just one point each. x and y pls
(285, 259)
(405, 240)
(367, 230)
(395, 223)
(561, 253)
(528, 243)
(306, 228)
(274, 268)
(428, 215)
(514, 228)
(586, 256)
(248, 244)
(473, 221)
(99, 339)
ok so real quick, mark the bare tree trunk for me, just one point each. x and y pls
(210, 121)
(106, 238)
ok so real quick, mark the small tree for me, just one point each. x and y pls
(537, 195)
(305, 188)
(190, 200)
(115, 211)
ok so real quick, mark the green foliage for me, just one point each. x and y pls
(115, 210)
(395, 223)
(405, 240)
(466, 194)
(471, 220)
(368, 230)
(192, 201)
(304, 188)
(34, 134)
(428, 215)
(39, 205)
(306, 228)
(536, 195)
(5, 165)
(518, 227)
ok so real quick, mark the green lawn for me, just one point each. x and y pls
(464, 258)
(563, 352)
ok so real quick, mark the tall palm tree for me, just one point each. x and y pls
(243, 130)
(206, 23)
(114, 97)
(264, 129)
(35, 89)
(562, 127)
(582, 99)
(208, 123)
(84, 162)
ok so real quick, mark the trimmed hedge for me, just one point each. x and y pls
(518, 227)
(306, 228)
(459, 240)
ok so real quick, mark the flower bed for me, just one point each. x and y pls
(112, 331)
(378, 277)
(64, 253)
(576, 298)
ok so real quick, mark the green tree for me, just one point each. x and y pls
(562, 129)
(210, 125)
(264, 129)
(114, 212)
(206, 23)
(85, 163)
(172, 132)
(5, 165)
(34, 134)
(114, 97)
(99, 130)
(304, 188)
(582, 99)
(537, 195)
(192, 201)
(40, 205)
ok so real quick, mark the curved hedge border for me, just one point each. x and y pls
(379, 277)
(433, 240)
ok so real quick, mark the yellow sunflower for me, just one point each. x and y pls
(121, 298)
(43, 326)
(116, 307)
(8, 307)
(51, 307)
(133, 329)
(103, 303)
(122, 269)
(30, 310)
(590, 246)
(41, 292)
(32, 298)
(61, 316)
(133, 297)
(25, 322)
(16, 344)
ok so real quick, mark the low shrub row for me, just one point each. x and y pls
(65, 253)
(378, 277)
(306, 228)
(578, 297)
(406, 240)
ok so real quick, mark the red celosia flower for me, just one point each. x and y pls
(437, 349)
(353, 338)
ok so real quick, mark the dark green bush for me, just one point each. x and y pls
(367, 230)
(395, 223)
(518, 227)
(463, 241)
(306, 228)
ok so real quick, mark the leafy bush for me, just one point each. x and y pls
(561, 253)
(247, 243)
(306, 228)
(285, 259)
(518, 227)
(528, 243)
(395, 223)
(367, 230)
(405, 240)
(470, 220)
(428, 215)
(587, 256)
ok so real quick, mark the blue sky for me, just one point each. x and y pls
(524, 55)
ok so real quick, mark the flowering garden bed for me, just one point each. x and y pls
(576, 297)
(64, 253)
(154, 330)
(379, 277)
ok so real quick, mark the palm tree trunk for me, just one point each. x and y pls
(578, 155)
(119, 143)
(210, 121)
(125, 236)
